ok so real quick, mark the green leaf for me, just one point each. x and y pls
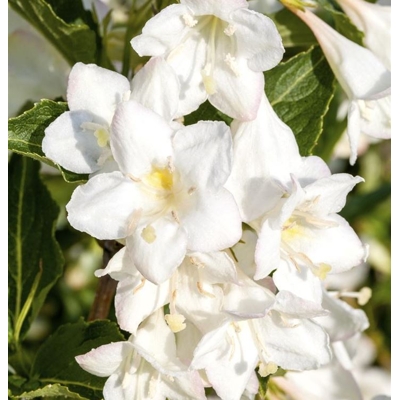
(294, 32)
(55, 390)
(300, 91)
(34, 257)
(55, 360)
(26, 132)
(75, 41)
(206, 112)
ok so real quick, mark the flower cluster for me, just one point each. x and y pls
(228, 232)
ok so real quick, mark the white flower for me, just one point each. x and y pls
(363, 77)
(168, 196)
(292, 203)
(79, 140)
(218, 50)
(375, 21)
(146, 366)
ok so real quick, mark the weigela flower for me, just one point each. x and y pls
(292, 203)
(79, 140)
(364, 78)
(218, 50)
(168, 196)
(375, 21)
(145, 366)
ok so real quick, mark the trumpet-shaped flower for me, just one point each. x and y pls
(364, 78)
(168, 196)
(218, 50)
(79, 140)
(146, 366)
(375, 21)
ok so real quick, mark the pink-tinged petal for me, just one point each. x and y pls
(238, 88)
(155, 342)
(300, 346)
(105, 360)
(329, 194)
(97, 90)
(221, 9)
(203, 154)
(213, 223)
(103, 206)
(230, 376)
(71, 146)
(337, 246)
(344, 321)
(156, 86)
(157, 257)
(162, 33)
(137, 298)
(258, 39)
(140, 139)
(186, 387)
(275, 155)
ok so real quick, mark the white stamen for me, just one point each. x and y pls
(231, 62)
(133, 221)
(138, 287)
(230, 30)
(362, 296)
(196, 262)
(191, 190)
(175, 216)
(189, 20)
(203, 291)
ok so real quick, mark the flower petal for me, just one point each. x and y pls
(71, 146)
(258, 39)
(157, 259)
(296, 347)
(103, 206)
(238, 88)
(104, 360)
(215, 224)
(255, 181)
(203, 154)
(97, 90)
(155, 342)
(162, 32)
(212, 7)
(140, 138)
(157, 87)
